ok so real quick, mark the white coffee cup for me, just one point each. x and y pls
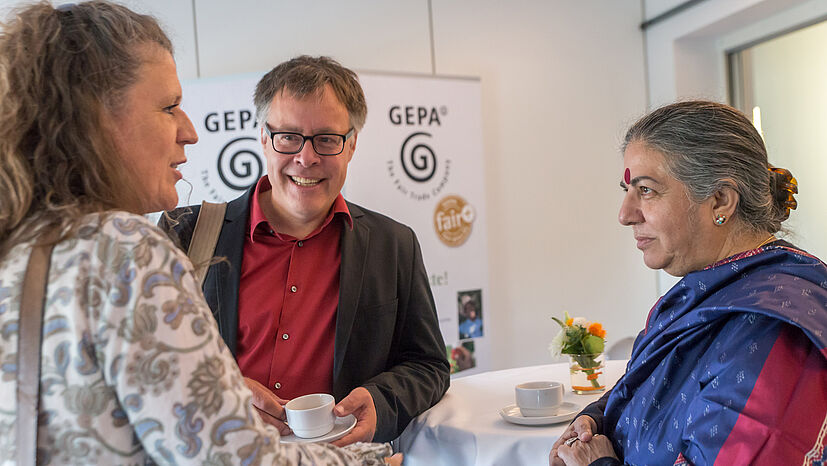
(539, 398)
(311, 415)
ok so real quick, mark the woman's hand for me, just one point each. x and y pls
(583, 428)
(269, 406)
(395, 460)
(581, 453)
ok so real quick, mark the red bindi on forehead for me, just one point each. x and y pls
(627, 177)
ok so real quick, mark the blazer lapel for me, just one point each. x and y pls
(222, 282)
(351, 271)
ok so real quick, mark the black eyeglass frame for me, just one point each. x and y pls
(271, 134)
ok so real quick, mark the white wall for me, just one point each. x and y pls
(652, 9)
(561, 81)
(790, 86)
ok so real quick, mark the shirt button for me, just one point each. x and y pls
(272, 232)
(277, 385)
(300, 243)
(293, 288)
(284, 336)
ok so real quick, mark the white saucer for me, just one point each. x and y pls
(511, 413)
(341, 427)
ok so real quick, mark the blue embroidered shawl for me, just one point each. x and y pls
(704, 353)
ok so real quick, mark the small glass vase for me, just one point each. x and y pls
(587, 373)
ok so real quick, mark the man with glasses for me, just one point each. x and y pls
(319, 295)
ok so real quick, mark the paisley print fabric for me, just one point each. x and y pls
(133, 368)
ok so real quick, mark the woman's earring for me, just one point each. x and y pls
(720, 219)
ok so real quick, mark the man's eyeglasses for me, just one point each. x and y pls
(285, 142)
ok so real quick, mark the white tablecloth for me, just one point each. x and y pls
(465, 427)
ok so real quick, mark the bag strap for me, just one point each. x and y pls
(32, 304)
(205, 237)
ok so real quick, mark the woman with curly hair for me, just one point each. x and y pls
(131, 367)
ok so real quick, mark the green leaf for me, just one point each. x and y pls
(593, 344)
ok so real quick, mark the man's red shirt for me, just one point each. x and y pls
(288, 297)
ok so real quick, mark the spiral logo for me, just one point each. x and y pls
(239, 165)
(418, 161)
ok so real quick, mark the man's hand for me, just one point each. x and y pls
(583, 428)
(583, 453)
(360, 404)
(269, 406)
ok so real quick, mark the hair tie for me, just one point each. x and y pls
(66, 7)
(66, 13)
(786, 186)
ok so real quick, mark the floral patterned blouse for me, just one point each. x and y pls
(133, 368)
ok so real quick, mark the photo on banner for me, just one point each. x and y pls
(462, 357)
(469, 314)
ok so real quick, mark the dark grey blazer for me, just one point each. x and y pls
(387, 333)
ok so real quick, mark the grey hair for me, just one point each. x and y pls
(709, 146)
(305, 75)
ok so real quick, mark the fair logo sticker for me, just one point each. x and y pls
(453, 219)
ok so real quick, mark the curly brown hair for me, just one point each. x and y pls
(62, 71)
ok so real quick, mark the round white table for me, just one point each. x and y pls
(465, 427)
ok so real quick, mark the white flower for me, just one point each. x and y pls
(581, 322)
(556, 345)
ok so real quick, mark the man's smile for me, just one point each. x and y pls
(304, 181)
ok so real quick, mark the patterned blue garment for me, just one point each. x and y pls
(731, 367)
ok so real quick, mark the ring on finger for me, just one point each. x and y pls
(570, 441)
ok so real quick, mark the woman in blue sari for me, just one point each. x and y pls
(731, 367)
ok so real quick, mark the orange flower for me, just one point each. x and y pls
(569, 321)
(596, 329)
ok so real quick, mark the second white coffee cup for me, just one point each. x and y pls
(539, 398)
(311, 415)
